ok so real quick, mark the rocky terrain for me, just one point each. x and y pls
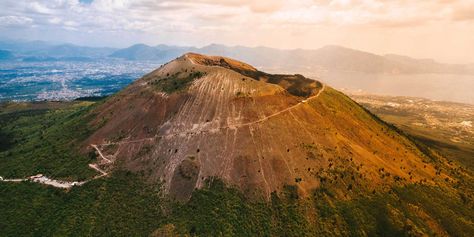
(199, 117)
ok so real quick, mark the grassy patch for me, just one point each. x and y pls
(122, 205)
(45, 141)
(241, 94)
(176, 82)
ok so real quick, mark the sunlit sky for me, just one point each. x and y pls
(439, 29)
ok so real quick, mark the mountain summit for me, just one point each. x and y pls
(201, 117)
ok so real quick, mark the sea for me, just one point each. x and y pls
(437, 87)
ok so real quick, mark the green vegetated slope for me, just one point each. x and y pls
(124, 204)
(45, 141)
(118, 206)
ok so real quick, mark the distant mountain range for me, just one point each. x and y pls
(44, 51)
(328, 58)
(332, 58)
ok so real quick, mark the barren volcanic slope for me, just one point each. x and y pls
(199, 116)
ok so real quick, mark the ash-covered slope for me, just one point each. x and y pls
(199, 117)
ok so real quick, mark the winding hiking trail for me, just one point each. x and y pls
(68, 184)
(231, 126)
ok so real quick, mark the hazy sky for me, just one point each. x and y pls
(440, 29)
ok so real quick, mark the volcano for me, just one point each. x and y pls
(199, 118)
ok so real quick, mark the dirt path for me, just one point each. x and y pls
(100, 153)
(94, 166)
(39, 178)
(285, 110)
(233, 126)
(12, 180)
(67, 184)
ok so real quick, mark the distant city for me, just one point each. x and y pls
(67, 80)
(38, 70)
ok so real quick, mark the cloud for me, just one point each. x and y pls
(15, 21)
(55, 20)
(464, 13)
(281, 23)
(151, 15)
(37, 7)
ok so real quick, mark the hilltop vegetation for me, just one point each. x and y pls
(175, 82)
